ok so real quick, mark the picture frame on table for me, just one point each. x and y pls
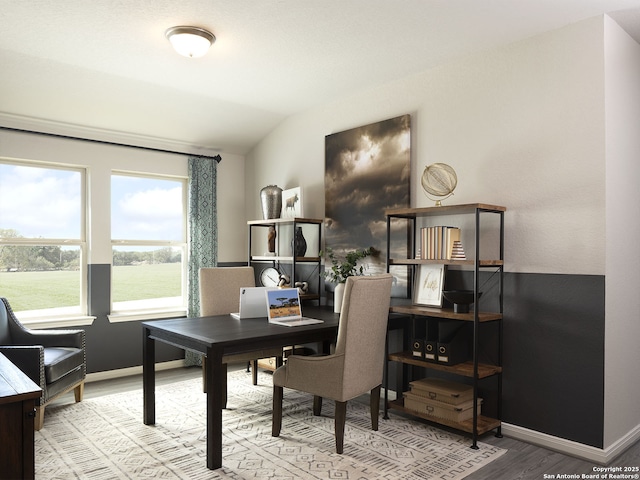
(292, 203)
(429, 280)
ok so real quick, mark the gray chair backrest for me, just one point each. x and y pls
(220, 288)
(362, 332)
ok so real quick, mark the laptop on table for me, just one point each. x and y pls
(252, 302)
(283, 308)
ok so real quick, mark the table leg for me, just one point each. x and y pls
(215, 371)
(148, 377)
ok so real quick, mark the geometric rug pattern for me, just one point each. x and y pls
(105, 438)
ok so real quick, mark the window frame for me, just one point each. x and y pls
(127, 315)
(43, 318)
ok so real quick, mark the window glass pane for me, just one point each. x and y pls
(146, 277)
(34, 277)
(146, 209)
(38, 202)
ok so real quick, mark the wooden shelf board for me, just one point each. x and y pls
(278, 258)
(484, 424)
(443, 313)
(443, 210)
(309, 296)
(273, 221)
(422, 261)
(464, 369)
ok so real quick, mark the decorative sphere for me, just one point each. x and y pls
(439, 180)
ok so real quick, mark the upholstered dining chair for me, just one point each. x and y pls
(357, 364)
(220, 295)
(53, 359)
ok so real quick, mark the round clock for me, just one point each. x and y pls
(269, 277)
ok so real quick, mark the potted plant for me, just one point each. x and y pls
(342, 268)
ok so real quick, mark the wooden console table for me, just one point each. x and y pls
(17, 413)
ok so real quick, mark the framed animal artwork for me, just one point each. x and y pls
(292, 203)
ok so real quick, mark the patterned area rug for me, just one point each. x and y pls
(104, 438)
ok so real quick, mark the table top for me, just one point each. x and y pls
(15, 385)
(237, 336)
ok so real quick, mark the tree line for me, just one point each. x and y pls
(25, 258)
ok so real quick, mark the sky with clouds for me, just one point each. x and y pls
(46, 202)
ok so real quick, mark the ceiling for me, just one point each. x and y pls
(106, 66)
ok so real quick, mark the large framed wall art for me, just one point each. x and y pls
(367, 170)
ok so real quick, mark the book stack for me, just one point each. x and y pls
(437, 243)
(458, 252)
(441, 398)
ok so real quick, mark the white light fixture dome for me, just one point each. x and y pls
(190, 41)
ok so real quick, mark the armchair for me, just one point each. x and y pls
(54, 359)
(356, 367)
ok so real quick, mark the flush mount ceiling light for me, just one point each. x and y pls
(190, 41)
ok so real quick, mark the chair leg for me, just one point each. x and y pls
(374, 404)
(341, 417)
(79, 392)
(39, 420)
(254, 371)
(276, 415)
(317, 405)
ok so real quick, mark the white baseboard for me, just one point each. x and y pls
(586, 452)
(125, 372)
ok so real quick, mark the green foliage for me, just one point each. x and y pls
(347, 267)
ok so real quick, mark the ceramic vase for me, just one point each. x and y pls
(338, 293)
(271, 199)
(298, 243)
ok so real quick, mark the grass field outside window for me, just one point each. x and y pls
(37, 290)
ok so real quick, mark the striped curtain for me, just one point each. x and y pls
(203, 231)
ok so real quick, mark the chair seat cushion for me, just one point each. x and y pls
(58, 361)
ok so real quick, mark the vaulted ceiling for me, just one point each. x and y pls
(106, 66)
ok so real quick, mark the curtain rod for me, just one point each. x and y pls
(217, 158)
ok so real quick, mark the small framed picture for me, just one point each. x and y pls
(428, 285)
(292, 203)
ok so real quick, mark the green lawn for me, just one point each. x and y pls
(35, 290)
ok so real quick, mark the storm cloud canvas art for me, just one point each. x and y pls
(367, 170)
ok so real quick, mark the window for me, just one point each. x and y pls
(148, 236)
(42, 239)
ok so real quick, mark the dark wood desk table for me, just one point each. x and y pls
(218, 336)
(18, 395)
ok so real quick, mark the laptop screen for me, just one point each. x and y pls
(283, 303)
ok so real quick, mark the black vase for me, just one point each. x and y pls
(298, 243)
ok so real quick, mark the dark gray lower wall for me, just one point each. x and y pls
(553, 354)
(112, 346)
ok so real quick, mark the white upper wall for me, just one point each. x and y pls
(523, 126)
(622, 330)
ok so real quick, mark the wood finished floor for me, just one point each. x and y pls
(522, 461)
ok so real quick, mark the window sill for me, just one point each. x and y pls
(146, 315)
(77, 321)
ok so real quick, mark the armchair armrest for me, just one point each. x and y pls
(52, 338)
(315, 375)
(29, 359)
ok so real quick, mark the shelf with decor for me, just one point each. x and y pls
(428, 322)
(282, 260)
